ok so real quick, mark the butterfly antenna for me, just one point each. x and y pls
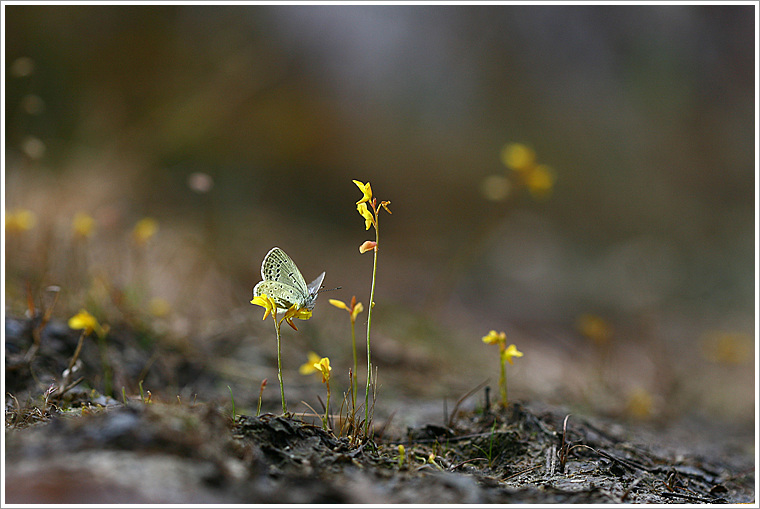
(323, 289)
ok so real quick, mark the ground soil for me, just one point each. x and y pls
(82, 447)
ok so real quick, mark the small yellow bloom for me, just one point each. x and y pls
(494, 338)
(518, 157)
(85, 321)
(83, 225)
(369, 219)
(385, 204)
(296, 312)
(144, 230)
(510, 352)
(366, 190)
(309, 367)
(323, 366)
(339, 304)
(354, 309)
(266, 302)
(358, 308)
(19, 220)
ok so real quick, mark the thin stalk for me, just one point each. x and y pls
(279, 362)
(369, 325)
(353, 380)
(503, 383)
(327, 406)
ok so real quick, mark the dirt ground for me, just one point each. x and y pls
(82, 447)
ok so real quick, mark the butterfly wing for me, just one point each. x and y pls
(283, 294)
(277, 266)
(314, 287)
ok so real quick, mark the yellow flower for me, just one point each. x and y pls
(296, 312)
(369, 219)
(518, 157)
(354, 309)
(339, 304)
(144, 230)
(323, 366)
(20, 220)
(357, 309)
(85, 321)
(266, 302)
(366, 189)
(83, 225)
(510, 352)
(309, 367)
(494, 338)
(540, 181)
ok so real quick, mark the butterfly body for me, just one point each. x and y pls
(283, 282)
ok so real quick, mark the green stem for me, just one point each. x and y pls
(279, 363)
(369, 325)
(327, 406)
(353, 378)
(503, 383)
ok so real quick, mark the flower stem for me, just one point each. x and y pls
(369, 325)
(279, 363)
(503, 383)
(353, 381)
(327, 406)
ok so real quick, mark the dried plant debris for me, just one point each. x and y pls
(191, 453)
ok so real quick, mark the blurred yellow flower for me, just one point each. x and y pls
(83, 225)
(144, 230)
(518, 157)
(540, 181)
(493, 338)
(509, 352)
(366, 190)
(159, 307)
(369, 220)
(19, 220)
(85, 321)
(309, 366)
(640, 404)
(725, 347)
(595, 328)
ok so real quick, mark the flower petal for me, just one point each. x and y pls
(366, 190)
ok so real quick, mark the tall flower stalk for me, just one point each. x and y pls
(371, 219)
(353, 310)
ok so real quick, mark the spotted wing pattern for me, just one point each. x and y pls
(284, 282)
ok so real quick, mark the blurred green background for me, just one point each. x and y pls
(239, 128)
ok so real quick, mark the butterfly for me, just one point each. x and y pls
(283, 282)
